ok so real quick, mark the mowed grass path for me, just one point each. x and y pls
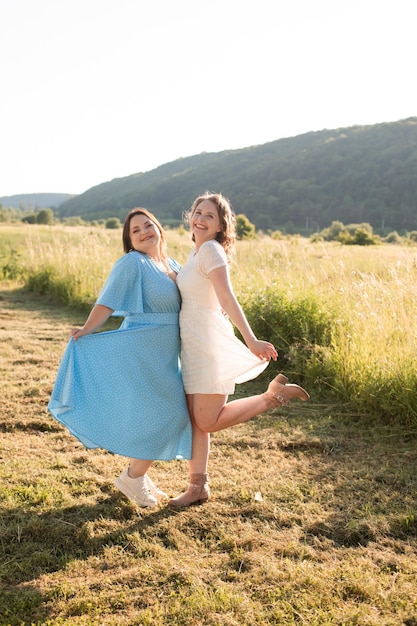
(313, 518)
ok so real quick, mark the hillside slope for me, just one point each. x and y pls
(356, 174)
(35, 200)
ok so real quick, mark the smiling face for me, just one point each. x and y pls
(205, 222)
(144, 235)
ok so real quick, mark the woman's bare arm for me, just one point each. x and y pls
(99, 314)
(222, 285)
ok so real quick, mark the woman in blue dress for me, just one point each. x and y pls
(122, 390)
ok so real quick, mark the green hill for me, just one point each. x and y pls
(34, 201)
(357, 174)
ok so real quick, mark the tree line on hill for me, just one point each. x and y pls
(360, 174)
(346, 234)
(300, 184)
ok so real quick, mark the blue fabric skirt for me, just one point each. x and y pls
(122, 391)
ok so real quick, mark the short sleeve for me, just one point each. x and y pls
(211, 256)
(122, 290)
(174, 265)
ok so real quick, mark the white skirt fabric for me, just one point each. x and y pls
(213, 359)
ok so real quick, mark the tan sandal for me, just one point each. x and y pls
(282, 391)
(198, 492)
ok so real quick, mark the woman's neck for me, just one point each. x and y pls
(198, 244)
(154, 253)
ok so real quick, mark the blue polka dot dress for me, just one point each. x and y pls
(122, 390)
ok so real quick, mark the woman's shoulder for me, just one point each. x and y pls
(212, 248)
(211, 243)
(212, 255)
(130, 264)
(174, 265)
(131, 258)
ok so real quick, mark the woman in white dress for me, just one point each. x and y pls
(213, 359)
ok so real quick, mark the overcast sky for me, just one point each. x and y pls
(93, 90)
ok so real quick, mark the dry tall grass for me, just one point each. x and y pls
(312, 520)
(369, 294)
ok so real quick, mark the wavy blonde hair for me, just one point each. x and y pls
(227, 235)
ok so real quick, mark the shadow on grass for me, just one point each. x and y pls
(39, 543)
(360, 474)
(34, 544)
(363, 508)
(40, 426)
(365, 481)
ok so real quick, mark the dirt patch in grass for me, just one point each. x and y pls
(313, 518)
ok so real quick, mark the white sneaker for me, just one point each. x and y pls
(158, 493)
(136, 489)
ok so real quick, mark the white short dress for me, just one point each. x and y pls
(213, 359)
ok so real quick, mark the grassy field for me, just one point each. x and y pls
(312, 521)
(343, 318)
(313, 515)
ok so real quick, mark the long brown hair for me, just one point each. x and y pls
(127, 243)
(227, 235)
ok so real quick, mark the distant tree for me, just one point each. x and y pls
(244, 228)
(351, 234)
(45, 216)
(316, 238)
(361, 237)
(74, 221)
(264, 222)
(393, 237)
(113, 222)
(7, 215)
(353, 228)
(289, 228)
(30, 218)
(332, 232)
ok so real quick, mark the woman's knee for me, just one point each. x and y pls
(205, 423)
(206, 412)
